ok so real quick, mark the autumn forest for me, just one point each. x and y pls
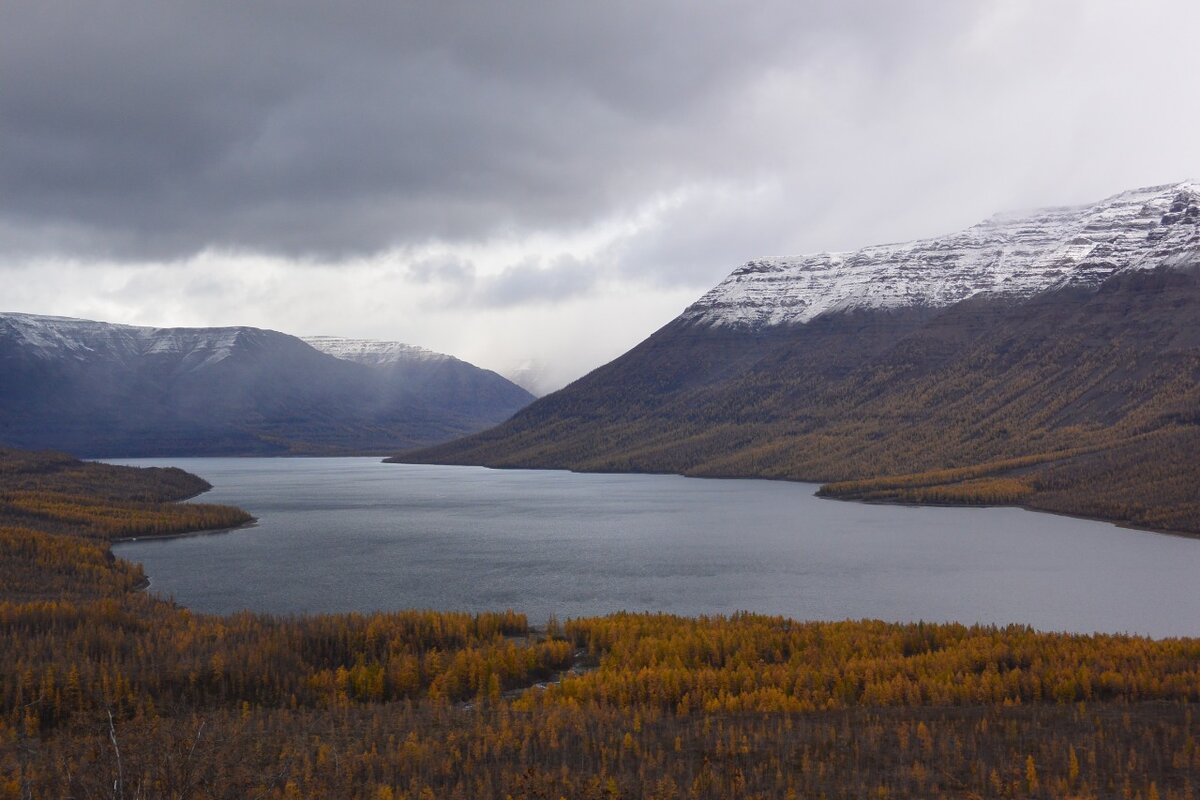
(109, 691)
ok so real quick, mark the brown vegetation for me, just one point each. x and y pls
(108, 692)
(56, 493)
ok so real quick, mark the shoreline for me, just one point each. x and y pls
(158, 537)
(145, 585)
(1126, 524)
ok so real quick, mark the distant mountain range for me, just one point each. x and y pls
(99, 389)
(1050, 359)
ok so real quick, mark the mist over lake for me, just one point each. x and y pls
(347, 534)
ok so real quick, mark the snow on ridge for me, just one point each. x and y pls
(1014, 254)
(52, 337)
(372, 351)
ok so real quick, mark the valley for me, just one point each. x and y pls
(599, 401)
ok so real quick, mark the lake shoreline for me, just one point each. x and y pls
(1032, 509)
(1119, 523)
(250, 523)
(351, 535)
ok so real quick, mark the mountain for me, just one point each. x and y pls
(1009, 255)
(442, 382)
(532, 375)
(374, 352)
(100, 389)
(1049, 359)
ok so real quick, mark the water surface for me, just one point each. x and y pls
(343, 534)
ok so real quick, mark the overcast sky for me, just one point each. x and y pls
(542, 184)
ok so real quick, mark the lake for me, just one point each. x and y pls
(354, 534)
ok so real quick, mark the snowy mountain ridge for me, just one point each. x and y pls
(49, 338)
(97, 388)
(1008, 254)
(372, 351)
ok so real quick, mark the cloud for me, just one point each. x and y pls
(533, 281)
(499, 180)
(511, 326)
(154, 131)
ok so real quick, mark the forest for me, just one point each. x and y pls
(109, 691)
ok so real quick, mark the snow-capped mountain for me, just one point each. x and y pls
(528, 374)
(372, 351)
(1048, 359)
(49, 338)
(1016, 255)
(96, 388)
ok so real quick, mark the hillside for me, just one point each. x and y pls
(1051, 360)
(107, 691)
(440, 381)
(119, 390)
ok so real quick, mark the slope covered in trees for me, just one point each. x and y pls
(55, 493)
(1081, 400)
(109, 692)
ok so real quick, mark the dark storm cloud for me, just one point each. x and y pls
(151, 130)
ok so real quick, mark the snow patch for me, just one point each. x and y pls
(49, 338)
(1008, 254)
(372, 352)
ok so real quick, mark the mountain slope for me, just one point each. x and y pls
(1071, 388)
(102, 389)
(438, 380)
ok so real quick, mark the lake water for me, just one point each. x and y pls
(344, 534)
